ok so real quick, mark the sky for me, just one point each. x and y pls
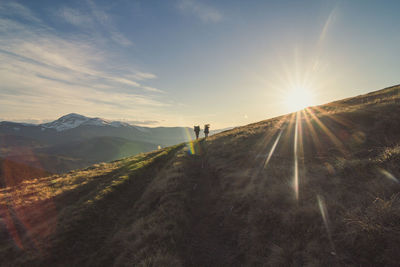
(187, 62)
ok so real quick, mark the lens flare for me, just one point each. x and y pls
(312, 131)
(388, 175)
(336, 141)
(192, 145)
(262, 151)
(325, 218)
(271, 152)
(296, 167)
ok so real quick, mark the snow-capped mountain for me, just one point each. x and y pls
(74, 120)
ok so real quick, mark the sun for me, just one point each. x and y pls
(298, 98)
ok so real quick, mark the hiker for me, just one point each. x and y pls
(197, 131)
(206, 130)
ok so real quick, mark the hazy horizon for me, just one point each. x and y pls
(149, 124)
(185, 62)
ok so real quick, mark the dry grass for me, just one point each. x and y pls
(42, 216)
(230, 204)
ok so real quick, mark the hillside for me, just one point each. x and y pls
(314, 188)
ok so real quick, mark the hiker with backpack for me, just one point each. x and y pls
(206, 130)
(197, 131)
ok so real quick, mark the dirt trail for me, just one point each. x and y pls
(207, 241)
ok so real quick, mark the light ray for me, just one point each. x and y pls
(311, 129)
(334, 117)
(296, 167)
(325, 218)
(256, 170)
(190, 142)
(268, 158)
(328, 132)
(388, 175)
(290, 124)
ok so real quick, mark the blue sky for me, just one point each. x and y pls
(185, 62)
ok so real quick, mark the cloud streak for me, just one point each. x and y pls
(90, 20)
(10, 9)
(328, 24)
(76, 17)
(202, 11)
(143, 123)
(45, 73)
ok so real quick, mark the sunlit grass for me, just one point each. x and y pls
(35, 190)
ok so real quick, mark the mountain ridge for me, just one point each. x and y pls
(74, 120)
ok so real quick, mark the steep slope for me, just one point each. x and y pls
(317, 187)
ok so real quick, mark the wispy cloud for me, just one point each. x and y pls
(144, 123)
(26, 120)
(90, 18)
(43, 72)
(9, 9)
(143, 76)
(76, 17)
(120, 38)
(328, 23)
(204, 12)
(152, 89)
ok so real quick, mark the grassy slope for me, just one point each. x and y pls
(228, 204)
(67, 218)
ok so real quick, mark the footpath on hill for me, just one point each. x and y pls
(208, 242)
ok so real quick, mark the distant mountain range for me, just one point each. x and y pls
(76, 141)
